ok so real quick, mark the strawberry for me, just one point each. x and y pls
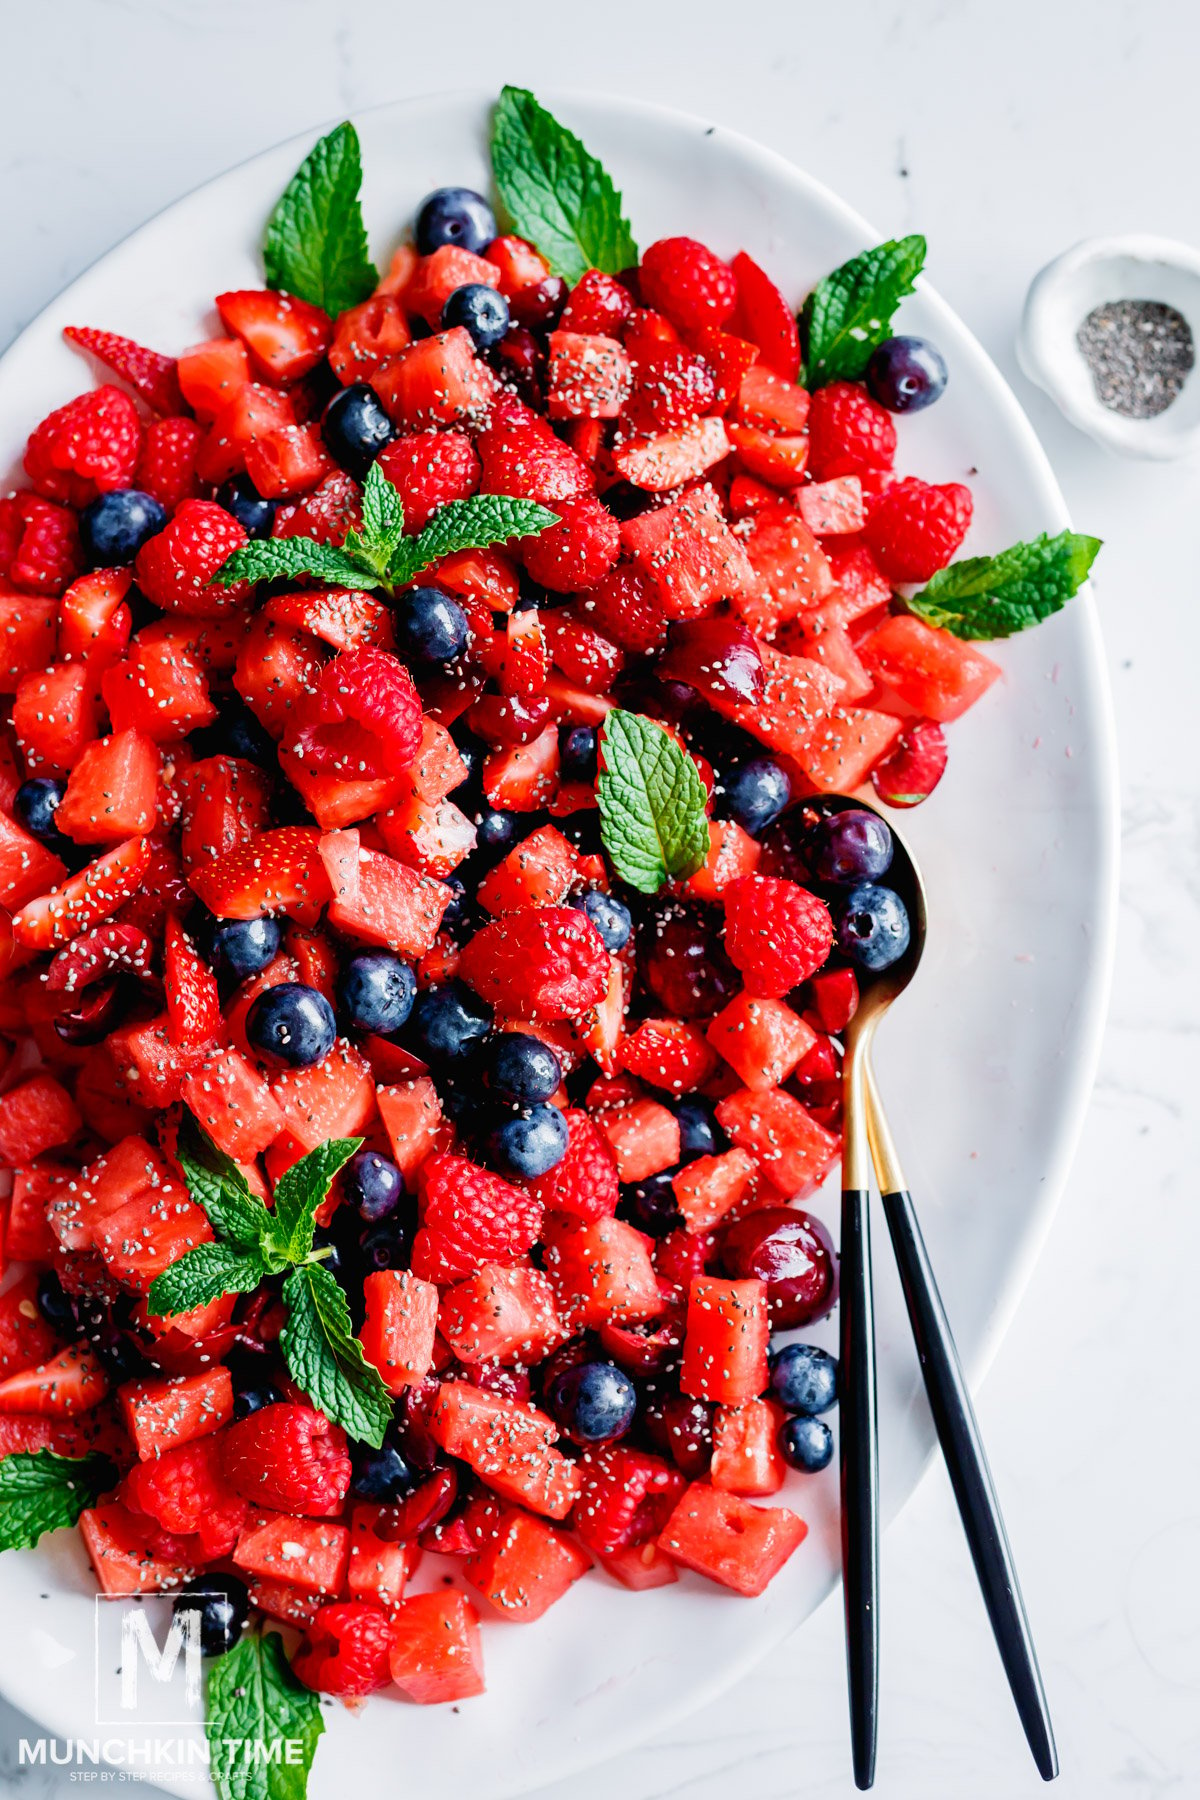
(373, 692)
(285, 336)
(579, 551)
(193, 1003)
(346, 1650)
(776, 933)
(598, 305)
(626, 1498)
(86, 447)
(545, 963)
(685, 280)
(584, 1182)
(48, 557)
(429, 468)
(848, 433)
(671, 386)
(183, 1491)
(147, 372)
(85, 899)
(521, 456)
(325, 515)
(174, 568)
(274, 871)
(914, 528)
(764, 318)
(469, 1217)
(71, 1382)
(287, 1457)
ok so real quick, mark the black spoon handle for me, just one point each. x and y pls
(962, 1447)
(859, 1466)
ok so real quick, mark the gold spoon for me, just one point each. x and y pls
(865, 1125)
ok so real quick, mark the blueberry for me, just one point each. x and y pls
(356, 428)
(594, 1402)
(373, 1184)
(54, 1304)
(521, 1068)
(699, 1133)
(252, 1398)
(529, 1143)
(804, 1379)
(381, 1475)
(577, 752)
(906, 374)
(236, 732)
(430, 627)
(120, 1357)
(454, 215)
(293, 1023)
(448, 1022)
(807, 1445)
(240, 497)
(610, 916)
(242, 947)
(495, 831)
(850, 846)
(456, 909)
(754, 794)
(376, 990)
(387, 1243)
(223, 1603)
(35, 804)
(113, 528)
(472, 751)
(481, 309)
(871, 926)
(651, 1205)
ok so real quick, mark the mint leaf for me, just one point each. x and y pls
(300, 1191)
(326, 1358)
(266, 559)
(316, 243)
(555, 193)
(850, 311)
(253, 1702)
(468, 525)
(203, 1275)
(985, 597)
(215, 1182)
(382, 509)
(41, 1491)
(652, 818)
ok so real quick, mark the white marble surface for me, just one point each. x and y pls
(1004, 133)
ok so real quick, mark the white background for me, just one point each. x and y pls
(1004, 132)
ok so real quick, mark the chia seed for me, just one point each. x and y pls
(1139, 352)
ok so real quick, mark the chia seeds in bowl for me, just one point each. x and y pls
(1139, 352)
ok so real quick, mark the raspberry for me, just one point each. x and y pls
(626, 1498)
(325, 515)
(776, 933)
(579, 551)
(687, 282)
(585, 1181)
(373, 689)
(86, 447)
(148, 372)
(848, 434)
(289, 1458)
(625, 608)
(345, 1650)
(173, 569)
(48, 558)
(598, 306)
(914, 529)
(184, 1492)
(522, 456)
(167, 465)
(12, 527)
(469, 1217)
(546, 963)
(429, 468)
(671, 387)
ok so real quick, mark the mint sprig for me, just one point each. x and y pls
(316, 242)
(850, 311)
(651, 798)
(41, 1491)
(255, 1243)
(985, 597)
(555, 192)
(254, 1703)
(380, 555)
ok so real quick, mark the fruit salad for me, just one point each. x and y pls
(424, 948)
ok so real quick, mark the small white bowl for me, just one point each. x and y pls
(1135, 267)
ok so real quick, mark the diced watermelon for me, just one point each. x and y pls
(845, 747)
(931, 670)
(781, 1135)
(113, 790)
(398, 1332)
(380, 900)
(234, 1104)
(640, 1566)
(118, 1543)
(379, 1569)
(525, 1565)
(436, 1654)
(27, 868)
(792, 572)
(732, 853)
(312, 1554)
(35, 1116)
(148, 1233)
(160, 1414)
(730, 1541)
(509, 1446)
(25, 1338)
(761, 1040)
(643, 1136)
(746, 1456)
(709, 1187)
(600, 1270)
(412, 1115)
(28, 624)
(56, 714)
(540, 871)
(689, 553)
(332, 1098)
(438, 381)
(501, 1314)
(725, 1343)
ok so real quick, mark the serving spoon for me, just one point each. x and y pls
(868, 1139)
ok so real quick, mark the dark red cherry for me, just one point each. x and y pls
(681, 1428)
(793, 1253)
(683, 964)
(716, 656)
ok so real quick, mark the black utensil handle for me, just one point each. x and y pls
(859, 1467)
(974, 1490)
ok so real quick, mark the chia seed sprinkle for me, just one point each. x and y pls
(1139, 352)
